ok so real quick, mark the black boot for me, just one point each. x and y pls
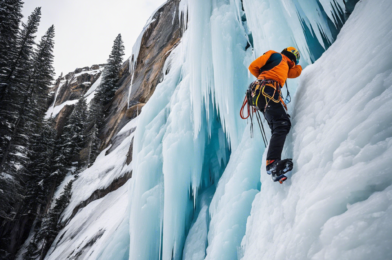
(278, 168)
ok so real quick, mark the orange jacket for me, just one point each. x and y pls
(276, 66)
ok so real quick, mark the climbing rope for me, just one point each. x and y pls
(288, 97)
(250, 112)
(242, 109)
(260, 122)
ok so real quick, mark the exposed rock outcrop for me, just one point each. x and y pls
(72, 86)
(62, 117)
(75, 84)
(162, 35)
(117, 183)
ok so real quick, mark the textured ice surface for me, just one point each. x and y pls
(180, 148)
(191, 124)
(329, 7)
(338, 201)
(233, 199)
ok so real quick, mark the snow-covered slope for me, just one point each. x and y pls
(90, 233)
(100, 229)
(338, 203)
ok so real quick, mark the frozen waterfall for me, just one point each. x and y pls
(199, 189)
(190, 128)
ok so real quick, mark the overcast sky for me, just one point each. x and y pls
(86, 29)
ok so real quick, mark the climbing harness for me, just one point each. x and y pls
(270, 90)
(250, 101)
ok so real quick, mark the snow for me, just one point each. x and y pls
(101, 229)
(131, 125)
(60, 189)
(92, 90)
(90, 72)
(54, 110)
(101, 174)
(50, 110)
(90, 234)
(337, 202)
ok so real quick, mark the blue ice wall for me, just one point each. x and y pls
(196, 168)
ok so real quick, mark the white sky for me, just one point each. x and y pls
(86, 29)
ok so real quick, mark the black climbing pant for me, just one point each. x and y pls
(279, 122)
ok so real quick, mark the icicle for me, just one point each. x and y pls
(130, 89)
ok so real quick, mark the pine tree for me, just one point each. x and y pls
(93, 125)
(12, 93)
(50, 227)
(39, 181)
(14, 84)
(73, 139)
(40, 184)
(19, 65)
(31, 114)
(93, 145)
(30, 125)
(111, 73)
(10, 16)
(40, 79)
(102, 98)
(60, 164)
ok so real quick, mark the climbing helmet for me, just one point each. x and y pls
(292, 53)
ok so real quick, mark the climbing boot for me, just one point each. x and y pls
(277, 168)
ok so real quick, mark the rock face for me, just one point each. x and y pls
(62, 117)
(72, 87)
(163, 34)
(75, 84)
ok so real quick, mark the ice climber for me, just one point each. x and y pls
(272, 70)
